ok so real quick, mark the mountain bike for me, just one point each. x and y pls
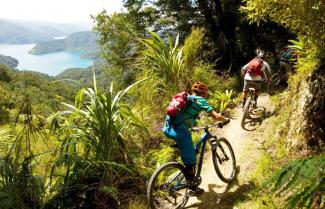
(167, 187)
(249, 104)
(279, 80)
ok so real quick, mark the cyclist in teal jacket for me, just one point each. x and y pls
(178, 128)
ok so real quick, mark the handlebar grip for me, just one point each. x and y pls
(220, 125)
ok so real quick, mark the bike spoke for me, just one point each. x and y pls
(169, 188)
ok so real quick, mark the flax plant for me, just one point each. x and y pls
(166, 59)
(93, 148)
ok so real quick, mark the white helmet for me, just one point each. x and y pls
(260, 53)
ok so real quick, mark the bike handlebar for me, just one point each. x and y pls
(219, 125)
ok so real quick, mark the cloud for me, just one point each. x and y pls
(57, 10)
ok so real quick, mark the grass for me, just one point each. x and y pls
(137, 203)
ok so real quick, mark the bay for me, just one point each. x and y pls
(51, 64)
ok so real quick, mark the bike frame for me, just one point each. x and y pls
(207, 135)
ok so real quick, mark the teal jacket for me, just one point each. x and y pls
(189, 115)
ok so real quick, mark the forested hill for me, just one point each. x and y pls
(9, 61)
(84, 76)
(81, 41)
(42, 90)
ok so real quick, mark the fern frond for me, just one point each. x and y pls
(300, 183)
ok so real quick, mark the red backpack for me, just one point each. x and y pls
(178, 103)
(254, 67)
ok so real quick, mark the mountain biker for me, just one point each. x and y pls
(285, 63)
(256, 70)
(178, 129)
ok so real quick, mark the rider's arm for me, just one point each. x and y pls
(217, 116)
(204, 105)
(267, 72)
(243, 69)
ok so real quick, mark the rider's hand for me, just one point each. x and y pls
(226, 121)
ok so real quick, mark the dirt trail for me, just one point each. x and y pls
(219, 195)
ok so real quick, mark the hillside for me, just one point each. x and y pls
(80, 41)
(9, 61)
(84, 76)
(39, 88)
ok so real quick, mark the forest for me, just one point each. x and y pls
(92, 138)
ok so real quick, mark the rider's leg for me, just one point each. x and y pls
(187, 150)
(245, 92)
(257, 87)
(183, 138)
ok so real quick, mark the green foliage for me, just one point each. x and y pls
(204, 72)
(301, 183)
(160, 156)
(83, 76)
(222, 100)
(299, 15)
(165, 59)
(137, 203)
(118, 41)
(22, 154)
(92, 142)
(192, 46)
(112, 192)
(40, 89)
(229, 39)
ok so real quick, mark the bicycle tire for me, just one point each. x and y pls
(246, 111)
(276, 79)
(154, 178)
(217, 162)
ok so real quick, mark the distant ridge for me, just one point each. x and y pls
(8, 61)
(85, 41)
(26, 32)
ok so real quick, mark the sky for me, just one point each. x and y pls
(58, 11)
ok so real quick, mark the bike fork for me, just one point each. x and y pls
(215, 146)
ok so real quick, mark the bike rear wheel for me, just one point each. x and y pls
(167, 187)
(224, 160)
(246, 111)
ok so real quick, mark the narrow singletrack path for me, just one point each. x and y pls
(219, 195)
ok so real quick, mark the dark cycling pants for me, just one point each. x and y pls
(183, 138)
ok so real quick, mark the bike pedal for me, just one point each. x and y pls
(197, 192)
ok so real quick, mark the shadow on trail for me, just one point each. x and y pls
(226, 200)
(256, 117)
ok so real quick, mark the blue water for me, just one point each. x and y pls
(51, 64)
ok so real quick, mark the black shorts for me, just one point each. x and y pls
(251, 84)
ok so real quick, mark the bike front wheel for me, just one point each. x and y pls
(276, 80)
(246, 111)
(224, 160)
(167, 188)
